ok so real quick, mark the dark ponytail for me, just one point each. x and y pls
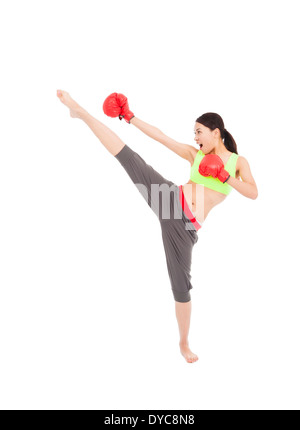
(213, 120)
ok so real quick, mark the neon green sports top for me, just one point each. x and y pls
(209, 181)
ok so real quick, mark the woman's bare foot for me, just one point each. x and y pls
(187, 353)
(67, 100)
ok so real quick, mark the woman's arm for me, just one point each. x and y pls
(247, 187)
(181, 149)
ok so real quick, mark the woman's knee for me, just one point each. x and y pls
(181, 296)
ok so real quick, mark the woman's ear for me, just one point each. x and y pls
(216, 133)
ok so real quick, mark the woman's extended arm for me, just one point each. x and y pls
(247, 186)
(181, 149)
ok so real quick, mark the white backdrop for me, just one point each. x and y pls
(87, 318)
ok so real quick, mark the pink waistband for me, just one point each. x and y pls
(187, 210)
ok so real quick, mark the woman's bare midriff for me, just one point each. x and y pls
(200, 199)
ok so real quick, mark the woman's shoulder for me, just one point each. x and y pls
(193, 154)
(194, 151)
(240, 161)
(241, 164)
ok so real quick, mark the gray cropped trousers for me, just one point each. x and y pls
(178, 233)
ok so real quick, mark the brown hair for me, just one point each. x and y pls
(213, 120)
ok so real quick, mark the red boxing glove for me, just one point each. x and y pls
(117, 105)
(212, 165)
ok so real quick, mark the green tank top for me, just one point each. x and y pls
(209, 181)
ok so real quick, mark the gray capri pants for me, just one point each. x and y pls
(178, 226)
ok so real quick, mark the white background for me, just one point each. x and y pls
(87, 318)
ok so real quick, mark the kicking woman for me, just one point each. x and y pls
(216, 168)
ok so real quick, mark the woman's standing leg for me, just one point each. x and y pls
(183, 315)
(107, 137)
(178, 245)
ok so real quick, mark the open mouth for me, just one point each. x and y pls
(201, 145)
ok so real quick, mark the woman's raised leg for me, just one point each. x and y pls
(106, 136)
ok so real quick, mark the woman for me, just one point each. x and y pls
(216, 169)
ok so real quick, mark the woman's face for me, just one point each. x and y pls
(203, 137)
